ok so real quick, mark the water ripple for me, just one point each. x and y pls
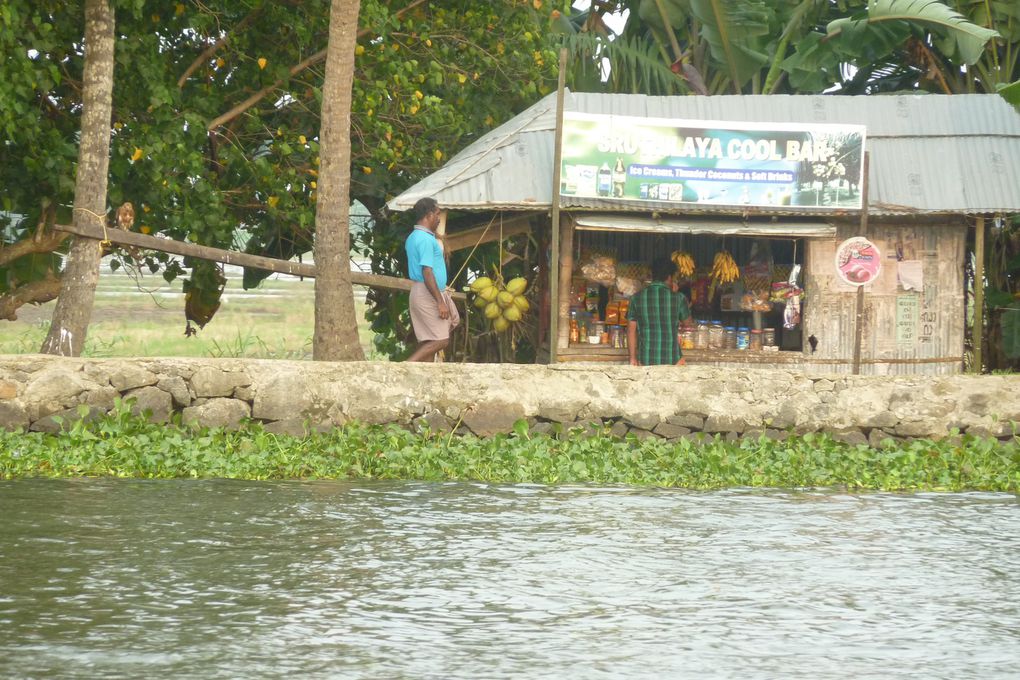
(383, 580)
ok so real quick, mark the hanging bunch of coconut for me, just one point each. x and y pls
(502, 305)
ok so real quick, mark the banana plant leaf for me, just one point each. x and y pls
(958, 35)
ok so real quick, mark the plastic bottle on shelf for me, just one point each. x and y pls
(768, 337)
(755, 340)
(743, 338)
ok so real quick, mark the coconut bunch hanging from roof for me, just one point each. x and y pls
(503, 305)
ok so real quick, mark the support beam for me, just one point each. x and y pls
(554, 259)
(977, 334)
(486, 233)
(859, 316)
(166, 245)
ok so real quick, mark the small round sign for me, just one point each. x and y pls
(858, 261)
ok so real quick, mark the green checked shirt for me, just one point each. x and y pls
(657, 311)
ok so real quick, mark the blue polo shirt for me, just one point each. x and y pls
(423, 251)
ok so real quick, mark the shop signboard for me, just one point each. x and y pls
(625, 158)
(857, 261)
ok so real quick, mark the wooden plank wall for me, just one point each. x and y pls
(905, 331)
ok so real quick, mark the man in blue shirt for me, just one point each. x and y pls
(433, 313)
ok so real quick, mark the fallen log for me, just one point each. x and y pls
(168, 245)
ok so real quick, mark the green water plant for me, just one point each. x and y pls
(125, 445)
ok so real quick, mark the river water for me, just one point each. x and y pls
(210, 579)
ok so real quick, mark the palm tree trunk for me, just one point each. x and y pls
(73, 311)
(336, 327)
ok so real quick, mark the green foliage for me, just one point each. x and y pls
(1010, 321)
(123, 445)
(216, 107)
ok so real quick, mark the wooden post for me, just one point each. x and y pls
(859, 317)
(977, 334)
(566, 266)
(554, 257)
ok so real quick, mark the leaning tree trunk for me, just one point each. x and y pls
(336, 327)
(81, 272)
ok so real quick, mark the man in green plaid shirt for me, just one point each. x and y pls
(652, 319)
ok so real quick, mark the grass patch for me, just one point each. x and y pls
(144, 317)
(122, 445)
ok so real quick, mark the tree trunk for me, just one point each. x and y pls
(81, 271)
(336, 327)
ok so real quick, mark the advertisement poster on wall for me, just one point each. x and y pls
(858, 261)
(626, 158)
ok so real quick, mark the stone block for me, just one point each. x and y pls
(295, 427)
(210, 381)
(918, 428)
(642, 421)
(557, 414)
(68, 418)
(104, 397)
(125, 376)
(823, 385)
(545, 428)
(618, 429)
(492, 418)
(725, 423)
(670, 431)
(691, 420)
(281, 397)
(13, 416)
(8, 390)
(158, 403)
(177, 388)
(434, 421)
(218, 412)
(990, 430)
(245, 393)
(776, 435)
(878, 437)
(851, 436)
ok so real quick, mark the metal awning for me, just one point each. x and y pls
(728, 227)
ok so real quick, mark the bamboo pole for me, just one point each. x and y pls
(978, 332)
(566, 272)
(554, 259)
(859, 316)
(166, 245)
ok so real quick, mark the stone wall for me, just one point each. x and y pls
(669, 402)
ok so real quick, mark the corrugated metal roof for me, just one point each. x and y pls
(929, 154)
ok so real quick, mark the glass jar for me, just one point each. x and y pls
(754, 342)
(701, 336)
(730, 337)
(743, 338)
(686, 338)
(768, 337)
(715, 335)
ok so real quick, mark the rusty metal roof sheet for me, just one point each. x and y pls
(929, 154)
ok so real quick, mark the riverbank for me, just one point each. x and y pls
(42, 393)
(123, 445)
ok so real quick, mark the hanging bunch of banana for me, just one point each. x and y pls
(684, 263)
(724, 269)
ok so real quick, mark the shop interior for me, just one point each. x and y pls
(755, 306)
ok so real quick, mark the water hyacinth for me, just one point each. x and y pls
(124, 445)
